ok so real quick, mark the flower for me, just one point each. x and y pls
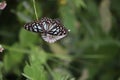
(1, 48)
(2, 5)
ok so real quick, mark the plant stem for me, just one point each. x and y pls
(35, 9)
(50, 71)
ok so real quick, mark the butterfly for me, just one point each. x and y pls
(51, 30)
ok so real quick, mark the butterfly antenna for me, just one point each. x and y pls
(35, 9)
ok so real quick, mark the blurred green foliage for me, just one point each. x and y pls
(89, 52)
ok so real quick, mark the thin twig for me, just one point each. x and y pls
(35, 9)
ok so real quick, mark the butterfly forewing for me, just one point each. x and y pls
(58, 29)
(34, 27)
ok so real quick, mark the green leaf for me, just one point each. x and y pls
(34, 72)
(79, 3)
(25, 11)
(27, 38)
(13, 58)
(62, 74)
(23, 17)
(68, 17)
(38, 56)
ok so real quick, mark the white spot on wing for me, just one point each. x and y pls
(45, 26)
(35, 30)
(31, 29)
(54, 29)
(39, 27)
(26, 27)
(55, 33)
(34, 27)
(57, 30)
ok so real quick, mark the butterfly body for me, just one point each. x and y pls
(51, 29)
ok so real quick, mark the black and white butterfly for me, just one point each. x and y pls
(51, 29)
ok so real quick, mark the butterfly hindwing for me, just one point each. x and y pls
(51, 38)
